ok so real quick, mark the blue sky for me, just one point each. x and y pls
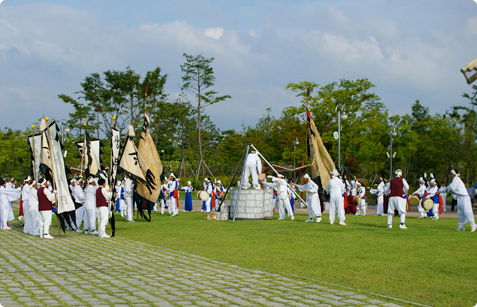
(409, 49)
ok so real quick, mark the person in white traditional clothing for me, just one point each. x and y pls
(34, 212)
(79, 198)
(282, 197)
(90, 207)
(434, 195)
(6, 196)
(11, 186)
(103, 196)
(26, 207)
(253, 167)
(396, 188)
(421, 191)
(361, 192)
(173, 194)
(46, 199)
(464, 204)
(209, 189)
(335, 188)
(354, 186)
(312, 199)
(443, 190)
(379, 192)
(128, 195)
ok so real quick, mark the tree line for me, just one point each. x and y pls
(192, 146)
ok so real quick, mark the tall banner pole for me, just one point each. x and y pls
(113, 183)
(53, 173)
(82, 151)
(241, 182)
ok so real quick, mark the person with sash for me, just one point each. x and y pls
(188, 196)
(219, 189)
(464, 203)
(312, 200)
(361, 192)
(208, 188)
(164, 196)
(26, 207)
(46, 199)
(443, 190)
(434, 195)
(421, 192)
(173, 194)
(103, 197)
(291, 196)
(335, 188)
(395, 190)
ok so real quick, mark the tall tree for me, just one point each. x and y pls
(199, 79)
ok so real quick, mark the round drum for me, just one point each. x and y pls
(356, 199)
(222, 195)
(203, 195)
(413, 200)
(262, 177)
(428, 204)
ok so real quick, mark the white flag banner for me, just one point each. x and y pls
(65, 201)
(35, 147)
(115, 147)
(95, 148)
(129, 160)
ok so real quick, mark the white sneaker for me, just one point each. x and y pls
(7, 227)
(318, 219)
(106, 236)
(331, 223)
(390, 226)
(308, 220)
(292, 218)
(281, 218)
(94, 232)
(402, 226)
(461, 228)
(86, 232)
(79, 231)
(342, 223)
(474, 228)
(48, 236)
(435, 218)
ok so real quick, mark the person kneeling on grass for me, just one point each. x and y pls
(103, 196)
(396, 188)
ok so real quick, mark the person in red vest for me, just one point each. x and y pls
(396, 188)
(103, 196)
(46, 199)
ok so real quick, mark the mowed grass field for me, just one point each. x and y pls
(430, 262)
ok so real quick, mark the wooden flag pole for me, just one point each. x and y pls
(82, 152)
(111, 202)
(53, 174)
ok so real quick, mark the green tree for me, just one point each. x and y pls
(199, 79)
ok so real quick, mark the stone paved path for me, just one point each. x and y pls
(83, 270)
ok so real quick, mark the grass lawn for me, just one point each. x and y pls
(430, 262)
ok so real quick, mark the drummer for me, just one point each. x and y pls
(207, 188)
(434, 195)
(165, 196)
(361, 205)
(421, 192)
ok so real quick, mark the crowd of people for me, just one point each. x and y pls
(93, 198)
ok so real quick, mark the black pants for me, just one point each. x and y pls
(453, 204)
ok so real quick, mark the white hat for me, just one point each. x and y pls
(433, 181)
(33, 183)
(188, 182)
(73, 180)
(172, 175)
(27, 179)
(453, 172)
(42, 182)
(90, 180)
(218, 181)
(334, 173)
(398, 172)
(358, 183)
(421, 179)
(280, 175)
(307, 176)
(80, 180)
(206, 179)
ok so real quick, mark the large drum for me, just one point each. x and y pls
(427, 204)
(414, 200)
(222, 195)
(203, 195)
(262, 177)
(356, 199)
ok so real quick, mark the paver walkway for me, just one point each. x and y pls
(83, 270)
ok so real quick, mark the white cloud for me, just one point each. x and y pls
(215, 33)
